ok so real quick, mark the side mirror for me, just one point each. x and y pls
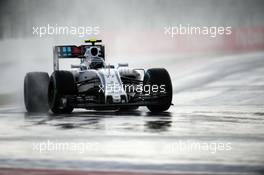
(75, 66)
(122, 65)
(110, 66)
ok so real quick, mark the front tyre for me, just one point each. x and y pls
(36, 92)
(61, 84)
(160, 77)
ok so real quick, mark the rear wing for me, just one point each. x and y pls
(73, 51)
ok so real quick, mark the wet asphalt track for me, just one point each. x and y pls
(221, 101)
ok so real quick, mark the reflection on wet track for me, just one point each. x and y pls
(91, 120)
(137, 140)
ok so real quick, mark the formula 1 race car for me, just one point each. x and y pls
(93, 84)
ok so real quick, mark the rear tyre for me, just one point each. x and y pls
(159, 76)
(61, 84)
(36, 92)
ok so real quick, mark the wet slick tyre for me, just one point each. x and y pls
(61, 84)
(36, 92)
(160, 77)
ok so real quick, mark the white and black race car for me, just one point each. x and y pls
(93, 84)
